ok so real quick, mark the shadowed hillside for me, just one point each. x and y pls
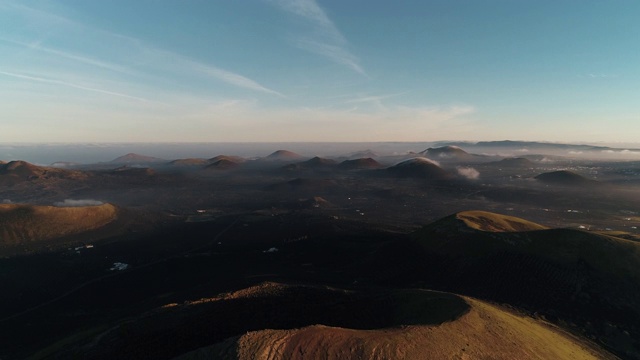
(223, 164)
(233, 158)
(277, 321)
(446, 152)
(576, 276)
(419, 168)
(361, 163)
(315, 163)
(283, 155)
(566, 178)
(189, 162)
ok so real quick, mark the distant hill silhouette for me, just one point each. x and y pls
(21, 168)
(283, 155)
(527, 144)
(318, 161)
(565, 177)
(236, 159)
(189, 162)
(362, 154)
(445, 153)
(133, 158)
(313, 163)
(19, 171)
(419, 167)
(361, 163)
(223, 164)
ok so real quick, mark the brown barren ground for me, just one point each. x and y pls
(29, 223)
(484, 331)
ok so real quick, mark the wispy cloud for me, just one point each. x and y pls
(68, 84)
(326, 40)
(208, 70)
(232, 78)
(375, 98)
(310, 10)
(136, 50)
(601, 76)
(335, 53)
(69, 55)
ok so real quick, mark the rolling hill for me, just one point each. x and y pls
(189, 162)
(317, 161)
(419, 167)
(566, 178)
(236, 159)
(22, 225)
(446, 153)
(314, 163)
(278, 321)
(361, 163)
(283, 155)
(132, 158)
(19, 171)
(222, 164)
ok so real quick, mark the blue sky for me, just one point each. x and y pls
(304, 70)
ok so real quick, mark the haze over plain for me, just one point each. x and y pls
(305, 70)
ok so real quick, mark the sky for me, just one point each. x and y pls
(319, 70)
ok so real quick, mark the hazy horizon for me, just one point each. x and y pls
(87, 153)
(307, 70)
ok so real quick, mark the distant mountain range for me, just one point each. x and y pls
(526, 144)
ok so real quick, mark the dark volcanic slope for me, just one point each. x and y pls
(237, 159)
(565, 177)
(223, 164)
(362, 163)
(277, 321)
(318, 162)
(189, 162)
(577, 276)
(419, 168)
(446, 152)
(315, 163)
